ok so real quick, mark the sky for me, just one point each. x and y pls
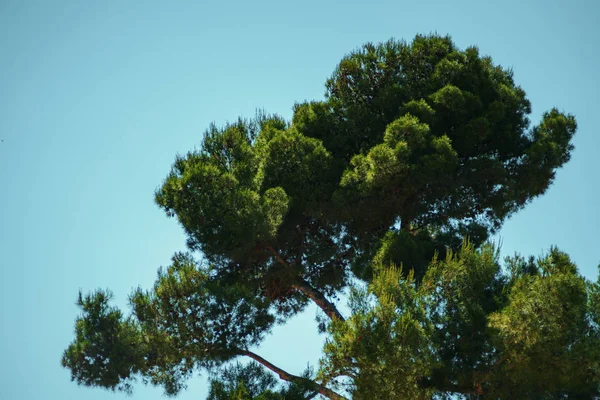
(97, 98)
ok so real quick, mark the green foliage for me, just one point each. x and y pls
(547, 322)
(216, 196)
(424, 135)
(460, 292)
(414, 251)
(188, 320)
(436, 137)
(382, 348)
(108, 350)
(243, 382)
(252, 382)
(473, 330)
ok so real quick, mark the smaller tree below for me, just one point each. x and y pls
(471, 330)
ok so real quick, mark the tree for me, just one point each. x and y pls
(471, 330)
(414, 147)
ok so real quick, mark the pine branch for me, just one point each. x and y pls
(286, 376)
(318, 298)
(303, 286)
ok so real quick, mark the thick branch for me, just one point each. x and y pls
(480, 378)
(405, 224)
(301, 285)
(286, 376)
(279, 259)
(320, 300)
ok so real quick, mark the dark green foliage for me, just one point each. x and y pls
(435, 137)
(252, 382)
(187, 321)
(402, 247)
(243, 382)
(423, 135)
(108, 350)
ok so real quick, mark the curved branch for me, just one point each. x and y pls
(303, 286)
(320, 300)
(286, 376)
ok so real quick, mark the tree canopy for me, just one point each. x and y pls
(472, 330)
(415, 147)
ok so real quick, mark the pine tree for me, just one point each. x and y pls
(471, 329)
(416, 146)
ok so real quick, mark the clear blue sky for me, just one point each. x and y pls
(97, 97)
